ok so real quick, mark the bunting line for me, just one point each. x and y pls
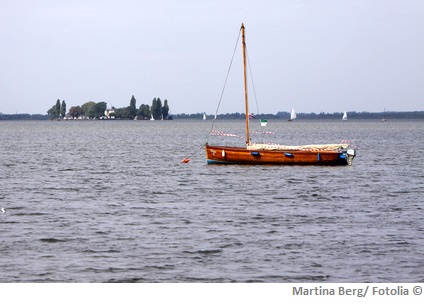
(222, 133)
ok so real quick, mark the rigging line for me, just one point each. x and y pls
(225, 83)
(254, 90)
(251, 79)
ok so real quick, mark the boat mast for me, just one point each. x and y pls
(246, 99)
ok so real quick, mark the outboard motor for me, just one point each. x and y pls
(350, 155)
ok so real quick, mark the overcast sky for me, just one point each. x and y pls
(313, 55)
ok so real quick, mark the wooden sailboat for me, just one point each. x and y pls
(258, 154)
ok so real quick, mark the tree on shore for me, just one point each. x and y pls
(52, 112)
(131, 110)
(57, 109)
(156, 108)
(89, 109)
(100, 109)
(75, 112)
(165, 109)
(63, 109)
(133, 102)
(144, 111)
(92, 109)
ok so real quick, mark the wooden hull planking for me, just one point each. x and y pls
(240, 155)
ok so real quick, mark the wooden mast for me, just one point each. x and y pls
(246, 99)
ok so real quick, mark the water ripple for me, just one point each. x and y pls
(115, 204)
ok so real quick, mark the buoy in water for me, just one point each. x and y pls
(185, 160)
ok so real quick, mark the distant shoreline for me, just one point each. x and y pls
(280, 115)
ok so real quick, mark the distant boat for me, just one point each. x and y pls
(344, 116)
(384, 116)
(151, 117)
(292, 115)
(275, 154)
(204, 116)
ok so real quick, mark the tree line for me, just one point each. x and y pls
(312, 116)
(99, 110)
(197, 116)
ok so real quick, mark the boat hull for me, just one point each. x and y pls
(241, 155)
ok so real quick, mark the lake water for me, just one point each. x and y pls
(109, 201)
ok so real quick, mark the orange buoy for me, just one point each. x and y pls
(185, 160)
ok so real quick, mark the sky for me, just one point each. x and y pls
(313, 55)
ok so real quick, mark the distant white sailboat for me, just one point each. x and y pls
(292, 115)
(384, 116)
(151, 117)
(204, 116)
(344, 116)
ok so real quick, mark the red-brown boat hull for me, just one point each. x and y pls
(240, 155)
